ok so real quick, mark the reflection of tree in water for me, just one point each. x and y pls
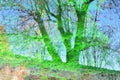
(57, 27)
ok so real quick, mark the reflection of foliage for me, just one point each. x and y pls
(96, 51)
(118, 61)
(40, 8)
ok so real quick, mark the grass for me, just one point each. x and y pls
(15, 60)
(74, 67)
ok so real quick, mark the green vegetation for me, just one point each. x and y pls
(17, 60)
(74, 67)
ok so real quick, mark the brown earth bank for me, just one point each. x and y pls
(8, 73)
(17, 73)
(23, 73)
(79, 75)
